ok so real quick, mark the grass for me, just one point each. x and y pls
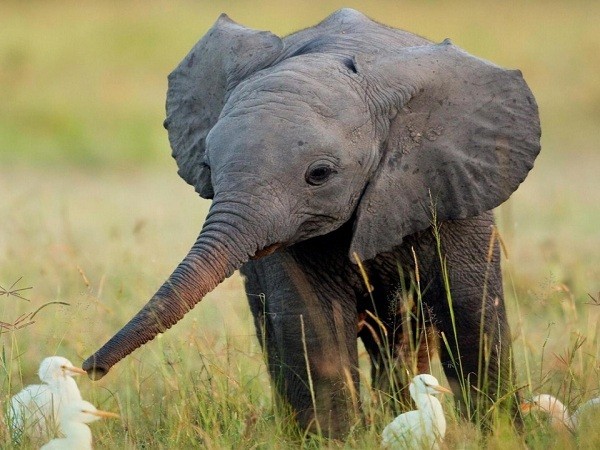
(94, 215)
(204, 381)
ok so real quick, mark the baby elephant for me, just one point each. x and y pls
(352, 168)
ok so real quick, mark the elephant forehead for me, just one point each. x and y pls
(302, 86)
(286, 119)
(266, 128)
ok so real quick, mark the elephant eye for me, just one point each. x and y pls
(319, 173)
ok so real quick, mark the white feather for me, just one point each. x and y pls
(557, 412)
(423, 428)
(36, 409)
(78, 435)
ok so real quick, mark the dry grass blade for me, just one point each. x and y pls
(595, 301)
(20, 322)
(363, 272)
(25, 320)
(15, 292)
(48, 304)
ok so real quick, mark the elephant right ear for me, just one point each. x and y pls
(200, 85)
(459, 135)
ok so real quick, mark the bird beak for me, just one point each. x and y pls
(104, 414)
(75, 370)
(442, 390)
(525, 407)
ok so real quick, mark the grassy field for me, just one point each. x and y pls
(93, 214)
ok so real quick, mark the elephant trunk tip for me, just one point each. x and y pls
(94, 370)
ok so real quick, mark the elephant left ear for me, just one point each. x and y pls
(458, 135)
(200, 85)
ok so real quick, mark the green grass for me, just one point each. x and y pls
(92, 213)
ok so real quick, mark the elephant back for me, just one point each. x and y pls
(349, 33)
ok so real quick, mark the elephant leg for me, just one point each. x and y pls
(476, 343)
(400, 345)
(309, 341)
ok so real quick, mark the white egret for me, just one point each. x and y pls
(73, 419)
(558, 414)
(426, 426)
(35, 410)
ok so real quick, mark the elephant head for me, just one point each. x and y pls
(348, 121)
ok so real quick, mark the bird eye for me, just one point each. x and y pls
(319, 173)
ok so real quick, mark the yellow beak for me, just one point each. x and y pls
(75, 370)
(525, 407)
(442, 390)
(104, 414)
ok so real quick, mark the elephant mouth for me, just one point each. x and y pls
(267, 251)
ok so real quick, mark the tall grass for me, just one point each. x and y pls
(204, 382)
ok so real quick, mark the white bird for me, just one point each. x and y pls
(426, 426)
(558, 414)
(73, 419)
(36, 409)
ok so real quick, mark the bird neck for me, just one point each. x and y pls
(67, 389)
(79, 434)
(431, 409)
(428, 402)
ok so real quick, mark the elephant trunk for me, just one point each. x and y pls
(221, 248)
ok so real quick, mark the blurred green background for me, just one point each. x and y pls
(83, 82)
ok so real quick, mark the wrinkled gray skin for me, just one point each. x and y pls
(347, 137)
